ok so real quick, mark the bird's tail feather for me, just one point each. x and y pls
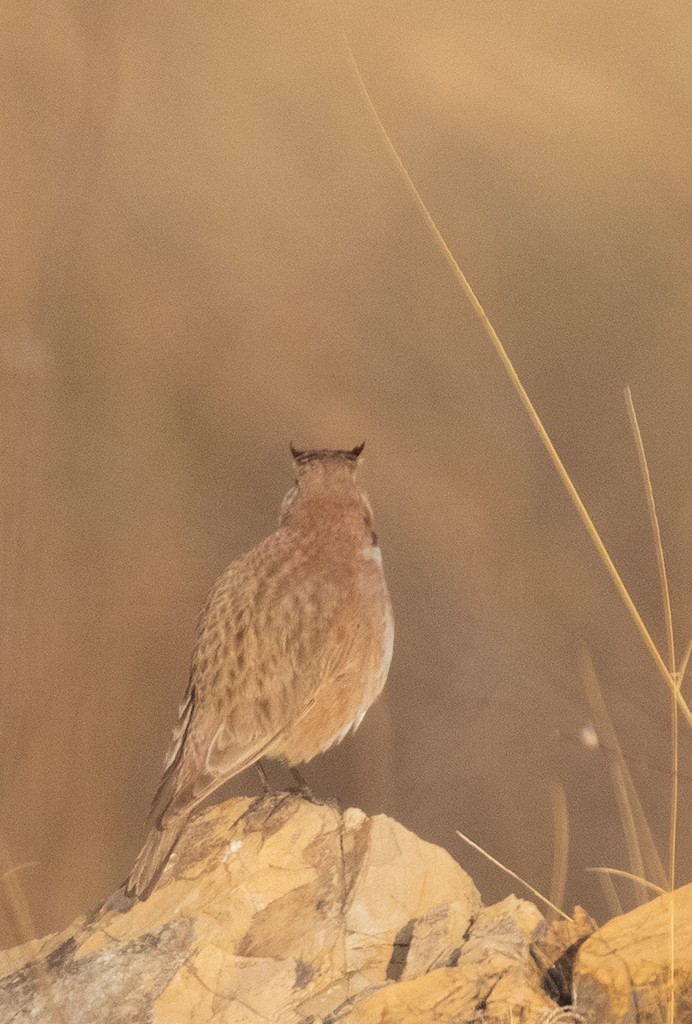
(153, 858)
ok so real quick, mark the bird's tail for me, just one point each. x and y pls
(153, 858)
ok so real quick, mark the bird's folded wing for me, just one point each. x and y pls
(230, 753)
(199, 761)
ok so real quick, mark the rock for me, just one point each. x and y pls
(275, 909)
(554, 948)
(491, 976)
(622, 972)
(286, 911)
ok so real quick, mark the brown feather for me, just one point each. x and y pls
(293, 645)
(153, 858)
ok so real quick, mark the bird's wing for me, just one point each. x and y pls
(174, 756)
(230, 752)
(232, 749)
(205, 752)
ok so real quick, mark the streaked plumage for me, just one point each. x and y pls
(293, 645)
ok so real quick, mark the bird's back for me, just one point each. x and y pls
(293, 645)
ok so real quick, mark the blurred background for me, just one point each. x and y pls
(206, 252)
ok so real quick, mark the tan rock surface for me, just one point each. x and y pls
(285, 911)
(493, 979)
(622, 972)
(271, 910)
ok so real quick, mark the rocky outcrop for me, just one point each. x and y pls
(291, 912)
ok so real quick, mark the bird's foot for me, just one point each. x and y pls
(301, 787)
(303, 790)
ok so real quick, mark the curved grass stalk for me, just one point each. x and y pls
(558, 882)
(676, 675)
(514, 875)
(630, 876)
(522, 394)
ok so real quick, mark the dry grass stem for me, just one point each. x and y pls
(684, 663)
(23, 923)
(514, 875)
(16, 901)
(610, 895)
(521, 392)
(675, 674)
(655, 530)
(618, 873)
(645, 860)
(558, 882)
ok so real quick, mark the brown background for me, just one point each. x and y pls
(206, 252)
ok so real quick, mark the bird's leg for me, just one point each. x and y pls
(266, 785)
(303, 789)
(302, 786)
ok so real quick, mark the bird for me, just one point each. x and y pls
(293, 645)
